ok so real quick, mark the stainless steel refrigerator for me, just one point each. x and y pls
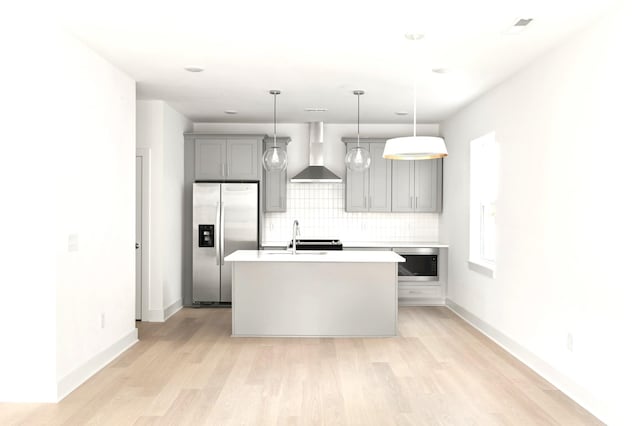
(225, 219)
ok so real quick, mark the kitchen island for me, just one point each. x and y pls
(332, 293)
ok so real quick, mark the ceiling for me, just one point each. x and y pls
(317, 53)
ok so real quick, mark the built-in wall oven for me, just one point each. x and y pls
(421, 264)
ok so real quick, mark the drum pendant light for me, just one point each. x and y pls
(358, 159)
(414, 147)
(274, 157)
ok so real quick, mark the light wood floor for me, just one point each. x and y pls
(188, 371)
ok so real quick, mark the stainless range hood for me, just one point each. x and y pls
(316, 172)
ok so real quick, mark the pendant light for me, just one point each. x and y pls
(414, 147)
(358, 159)
(274, 158)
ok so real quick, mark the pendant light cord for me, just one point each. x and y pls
(358, 120)
(414, 103)
(275, 137)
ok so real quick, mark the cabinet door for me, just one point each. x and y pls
(274, 190)
(403, 198)
(428, 185)
(379, 180)
(357, 188)
(209, 161)
(243, 161)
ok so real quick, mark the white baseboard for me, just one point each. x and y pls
(71, 381)
(421, 302)
(537, 364)
(155, 315)
(161, 315)
(172, 309)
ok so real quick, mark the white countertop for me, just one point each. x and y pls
(330, 256)
(370, 244)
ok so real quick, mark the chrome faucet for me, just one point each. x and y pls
(296, 233)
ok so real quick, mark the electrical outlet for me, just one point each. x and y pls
(570, 342)
(102, 320)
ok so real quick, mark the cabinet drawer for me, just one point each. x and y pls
(419, 291)
(410, 294)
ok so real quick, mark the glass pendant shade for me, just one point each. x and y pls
(358, 159)
(415, 148)
(274, 159)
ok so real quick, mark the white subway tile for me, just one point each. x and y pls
(320, 210)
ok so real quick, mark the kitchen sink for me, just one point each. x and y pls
(288, 253)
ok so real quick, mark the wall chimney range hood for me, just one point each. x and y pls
(316, 172)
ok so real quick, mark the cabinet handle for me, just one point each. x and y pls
(411, 201)
(369, 202)
(222, 169)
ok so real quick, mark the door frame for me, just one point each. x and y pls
(144, 290)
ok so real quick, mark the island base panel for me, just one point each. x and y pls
(314, 299)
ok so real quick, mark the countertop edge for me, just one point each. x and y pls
(278, 256)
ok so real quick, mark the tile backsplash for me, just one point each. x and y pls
(319, 207)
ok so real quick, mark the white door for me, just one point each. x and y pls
(138, 238)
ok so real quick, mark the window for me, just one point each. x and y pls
(483, 189)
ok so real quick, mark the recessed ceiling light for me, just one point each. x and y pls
(441, 70)
(194, 69)
(518, 26)
(230, 111)
(402, 113)
(316, 109)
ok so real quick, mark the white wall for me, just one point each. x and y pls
(149, 134)
(160, 129)
(567, 215)
(174, 126)
(67, 240)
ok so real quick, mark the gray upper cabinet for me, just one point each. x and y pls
(403, 181)
(227, 157)
(243, 159)
(275, 183)
(369, 191)
(417, 186)
(210, 158)
(379, 180)
(428, 185)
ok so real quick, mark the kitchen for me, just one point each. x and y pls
(558, 99)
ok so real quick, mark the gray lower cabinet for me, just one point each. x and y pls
(370, 190)
(226, 157)
(274, 183)
(415, 293)
(417, 186)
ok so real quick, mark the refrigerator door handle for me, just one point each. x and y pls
(219, 227)
(221, 233)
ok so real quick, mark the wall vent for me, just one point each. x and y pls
(522, 22)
